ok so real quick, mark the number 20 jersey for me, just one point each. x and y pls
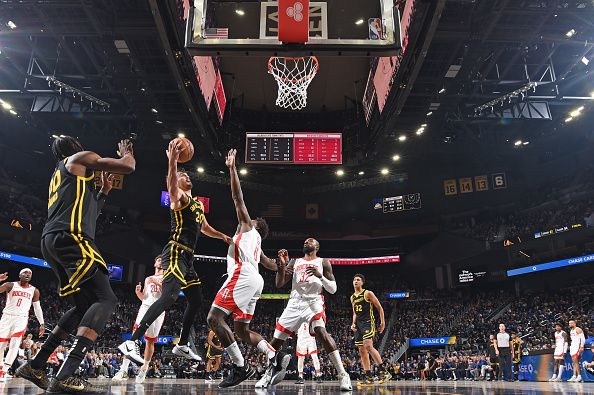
(306, 286)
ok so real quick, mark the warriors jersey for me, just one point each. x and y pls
(18, 300)
(186, 223)
(306, 285)
(72, 204)
(363, 308)
(152, 289)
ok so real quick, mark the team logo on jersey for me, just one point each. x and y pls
(225, 293)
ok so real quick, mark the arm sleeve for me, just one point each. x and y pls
(329, 285)
(38, 312)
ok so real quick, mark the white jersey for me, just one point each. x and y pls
(152, 289)
(18, 300)
(577, 341)
(244, 252)
(303, 334)
(306, 286)
(560, 343)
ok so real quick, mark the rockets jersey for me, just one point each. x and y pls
(152, 289)
(306, 286)
(303, 332)
(244, 252)
(19, 299)
(560, 341)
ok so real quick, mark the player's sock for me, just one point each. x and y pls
(316, 362)
(2, 347)
(145, 365)
(300, 363)
(13, 351)
(336, 361)
(125, 365)
(266, 348)
(47, 348)
(77, 353)
(235, 354)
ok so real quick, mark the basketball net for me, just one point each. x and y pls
(293, 76)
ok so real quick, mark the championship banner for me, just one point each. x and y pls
(481, 183)
(465, 185)
(432, 341)
(450, 188)
(540, 367)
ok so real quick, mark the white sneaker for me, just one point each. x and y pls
(345, 382)
(558, 379)
(141, 376)
(578, 379)
(119, 376)
(131, 349)
(553, 377)
(186, 352)
(572, 379)
(264, 382)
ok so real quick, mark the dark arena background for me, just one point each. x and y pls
(443, 149)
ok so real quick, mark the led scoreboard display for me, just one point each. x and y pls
(299, 148)
(394, 204)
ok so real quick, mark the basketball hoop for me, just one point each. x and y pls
(293, 76)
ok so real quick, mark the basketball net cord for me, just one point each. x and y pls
(293, 76)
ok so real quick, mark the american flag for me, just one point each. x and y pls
(273, 211)
(216, 32)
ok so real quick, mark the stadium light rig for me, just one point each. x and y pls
(521, 93)
(570, 33)
(65, 88)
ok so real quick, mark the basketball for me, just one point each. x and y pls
(187, 151)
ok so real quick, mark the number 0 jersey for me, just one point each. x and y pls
(19, 299)
(72, 204)
(306, 286)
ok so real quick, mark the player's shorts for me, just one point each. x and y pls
(240, 293)
(213, 353)
(12, 326)
(296, 313)
(365, 330)
(177, 261)
(306, 347)
(574, 351)
(152, 333)
(73, 258)
(559, 354)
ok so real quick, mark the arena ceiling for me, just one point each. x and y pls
(129, 55)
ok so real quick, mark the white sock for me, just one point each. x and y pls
(145, 366)
(235, 354)
(125, 364)
(13, 351)
(300, 362)
(266, 348)
(316, 363)
(337, 362)
(2, 347)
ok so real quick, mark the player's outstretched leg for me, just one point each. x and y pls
(330, 347)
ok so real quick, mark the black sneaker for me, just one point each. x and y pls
(300, 381)
(281, 362)
(36, 376)
(237, 375)
(76, 385)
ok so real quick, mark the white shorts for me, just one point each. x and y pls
(240, 293)
(306, 347)
(574, 351)
(12, 326)
(296, 313)
(558, 353)
(152, 333)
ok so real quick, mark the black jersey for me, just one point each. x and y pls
(72, 204)
(363, 308)
(186, 223)
(517, 347)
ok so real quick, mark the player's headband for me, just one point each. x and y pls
(25, 270)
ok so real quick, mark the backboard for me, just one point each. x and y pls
(336, 28)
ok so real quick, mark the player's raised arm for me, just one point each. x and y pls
(138, 290)
(369, 295)
(6, 287)
(245, 222)
(126, 163)
(284, 268)
(178, 198)
(268, 263)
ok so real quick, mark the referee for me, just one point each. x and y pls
(504, 352)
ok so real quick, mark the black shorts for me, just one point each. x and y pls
(73, 258)
(365, 330)
(178, 265)
(212, 353)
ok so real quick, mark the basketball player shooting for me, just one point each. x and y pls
(148, 295)
(240, 292)
(68, 245)
(310, 276)
(363, 302)
(20, 295)
(187, 222)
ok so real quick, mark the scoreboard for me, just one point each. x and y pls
(394, 204)
(299, 148)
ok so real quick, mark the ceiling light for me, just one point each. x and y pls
(154, 110)
(585, 60)
(402, 137)
(243, 171)
(62, 136)
(159, 122)
(385, 171)
(6, 105)
(577, 112)
(181, 135)
(55, 136)
(240, 12)
(592, 94)
(200, 169)
(442, 90)
(519, 142)
(396, 158)
(11, 25)
(359, 22)
(420, 132)
(424, 125)
(340, 172)
(142, 89)
(568, 119)
(570, 33)
(429, 113)
(526, 142)
(13, 112)
(361, 173)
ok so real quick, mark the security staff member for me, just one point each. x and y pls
(505, 352)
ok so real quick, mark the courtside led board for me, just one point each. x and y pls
(298, 148)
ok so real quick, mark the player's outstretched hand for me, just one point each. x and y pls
(313, 271)
(3, 276)
(382, 327)
(124, 148)
(230, 160)
(41, 330)
(173, 150)
(283, 256)
(354, 328)
(106, 182)
(227, 239)
(138, 287)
